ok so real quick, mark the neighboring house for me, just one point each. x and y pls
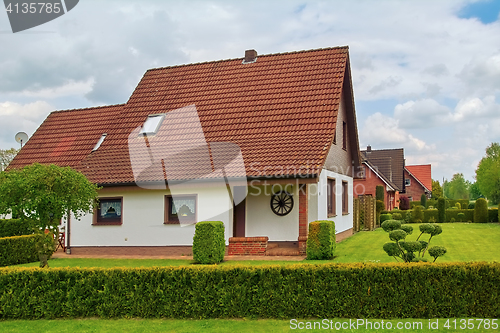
(382, 167)
(194, 139)
(418, 181)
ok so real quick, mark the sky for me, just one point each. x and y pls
(426, 74)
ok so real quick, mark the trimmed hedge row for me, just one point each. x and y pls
(463, 290)
(429, 214)
(15, 227)
(18, 250)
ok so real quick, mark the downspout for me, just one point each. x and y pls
(68, 233)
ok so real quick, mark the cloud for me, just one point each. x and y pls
(423, 113)
(474, 109)
(482, 75)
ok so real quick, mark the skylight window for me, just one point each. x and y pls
(101, 140)
(152, 124)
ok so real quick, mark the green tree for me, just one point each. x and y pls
(488, 173)
(6, 156)
(44, 194)
(456, 188)
(437, 190)
(474, 191)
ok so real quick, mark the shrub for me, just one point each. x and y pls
(397, 216)
(408, 217)
(21, 249)
(498, 216)
(437, 251)
(321, 240)
(404, 203)
(423, 200)
(418, 214)
(379, 193)
(458, 206)
(385, 217)
(380, 206)
(360, 290)
(461, 217)
(492, 215)
(15, 227)
(208, 242)
(391, 225)
(472, 205)
(481, 211)
(430, 214)
(441, 210)
(414, 204)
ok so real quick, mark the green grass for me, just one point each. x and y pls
(464, 242)
(211, 325)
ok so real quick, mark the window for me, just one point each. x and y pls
(410, 198)
(109, 211)
(101, 140)
(407, 182)
(152, 124)
(180, 209)
(345, 199)
(344, 135)
(330, 190)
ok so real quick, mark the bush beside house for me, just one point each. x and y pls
(21, 249)
(208, 242)
(321, 240)
(15, 227)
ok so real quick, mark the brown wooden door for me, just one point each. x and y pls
(239, 215)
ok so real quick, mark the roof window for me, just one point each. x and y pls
(152, 124)
(101, 140)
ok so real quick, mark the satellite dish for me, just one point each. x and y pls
(21, 137)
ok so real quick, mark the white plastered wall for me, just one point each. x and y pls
(342, 222)
(143, 217)
(260, 219)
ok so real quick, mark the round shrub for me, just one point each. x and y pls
(427, 228)
(437, 230)
(407, 228)
(461, 217)
(411, 246)
(481, 211)
(397, 216)
(392, 249)
(437, 251)
(385, 217)
(208, 242)
(397, 235)
(452, 220)
(391, 225)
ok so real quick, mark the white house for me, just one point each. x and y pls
(265, 144)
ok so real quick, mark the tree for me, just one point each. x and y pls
(44, 194)
(488, 173)
(456, 188)
(423, 200)
(437, 190)
(6, 156)
(474, 191)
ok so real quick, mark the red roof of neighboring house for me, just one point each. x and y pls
(281, 110)
(422, 173)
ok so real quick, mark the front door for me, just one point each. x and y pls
(239, 212)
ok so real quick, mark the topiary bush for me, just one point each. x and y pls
(461, 217)
(423, 200)
(441, 206)
(208, 242)
(481, 211)
(418, 214)
(404, 203)
(397, 216)
(321, 240)
(379, 192)
(15, 227)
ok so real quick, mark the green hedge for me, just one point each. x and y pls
(464, 203)
(18, 250)
(493, 215)
(321, 240)
(15, 227)
(481, 211)
(453, 214)
(441, 206)
(208, 242)
(423, 290)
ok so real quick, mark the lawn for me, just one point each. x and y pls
(228, 325)
(464, 241)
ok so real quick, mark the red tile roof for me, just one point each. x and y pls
(280, 110)
(422, 173)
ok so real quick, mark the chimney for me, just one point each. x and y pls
(369, 149)
(250, 56)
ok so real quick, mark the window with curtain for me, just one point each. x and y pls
(109, 211)
(180, 209)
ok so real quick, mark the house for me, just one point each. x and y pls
(264, 143)
(384, 167)
(418, 181)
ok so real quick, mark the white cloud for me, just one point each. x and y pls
(33, 110)
(423, 113)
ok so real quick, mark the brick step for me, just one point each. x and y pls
(282, 252)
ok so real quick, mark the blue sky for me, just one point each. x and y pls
(426, 74)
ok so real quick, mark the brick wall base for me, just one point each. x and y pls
(255, 246)
(343, 235)
(302, 245)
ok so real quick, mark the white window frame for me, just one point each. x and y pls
(151, 125)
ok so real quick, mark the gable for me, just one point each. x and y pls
(281, 110)
(389, 162)
(422, 173)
